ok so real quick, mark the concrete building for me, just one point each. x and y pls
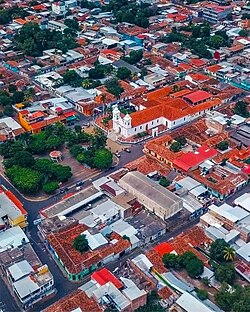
(12, 212)
(154, 197)
(214, 12)
(30, 285)
(28, 279)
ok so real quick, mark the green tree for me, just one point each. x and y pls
(243, 33)
(241, 108)
(81, 243)
(195, 268)
(23, 159)
(17, 97)
(61, 173)
(224, 300)
(72, 23)
(5, 100)
(171, 261)
(103, 159)
(12, 88)
(134, 57)
(175, 147)
(50, 187)
(75, 150)
(164, 182)
(223, 145)
(53, 142)
(123, 73)
(229, 254)
(202, 294)
(182, 140)
(37, 143)
(225, 273)
(44, 166)
(113, 86)
(217, 42)
(217, 249)
(8, 111)
(87, 83)
(10, 148)
(72, 78)
(25, 180)
(222, 33)
(196, 32)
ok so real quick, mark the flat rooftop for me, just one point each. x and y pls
(71, 203)
(150, 189)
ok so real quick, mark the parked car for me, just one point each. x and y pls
(126, 149)
(117, 154)
(79, 183)
(64, 190)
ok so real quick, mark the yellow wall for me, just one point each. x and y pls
(24, 123)
(21, 221)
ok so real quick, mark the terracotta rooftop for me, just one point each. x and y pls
(214, 68)
(221, 180)
(77, 299)
(145, 165)
(172, 109)
(62, 243)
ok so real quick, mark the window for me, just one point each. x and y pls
(140, 127)
(152, 122)
(174, 122)
(135, 129)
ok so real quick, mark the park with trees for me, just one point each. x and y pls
(29, 170)
(32, 40)
(96, 155)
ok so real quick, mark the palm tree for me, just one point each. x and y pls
(229, 254)
(103, 100)
(25, 138)
(86, 83)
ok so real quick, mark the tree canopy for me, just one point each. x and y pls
(72, 78)
(33, 40)
(241, 108)
(217, 249)
(225, 273)
(175, 147)
(188, 260)
(237, 299)
(113, 86)
(25, 179)
(81, 243)
(132, 12)
(123, 73)
(223, 145)
(103, 159)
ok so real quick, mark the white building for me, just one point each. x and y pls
(59, 7)
(155, 118)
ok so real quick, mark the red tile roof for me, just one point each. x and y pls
(77, 299)
(191, 160)
(172, 109)
(214, 68)
(197, 62)
(104, 276)
(74, 261)
(198, 96)
(163, 248)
